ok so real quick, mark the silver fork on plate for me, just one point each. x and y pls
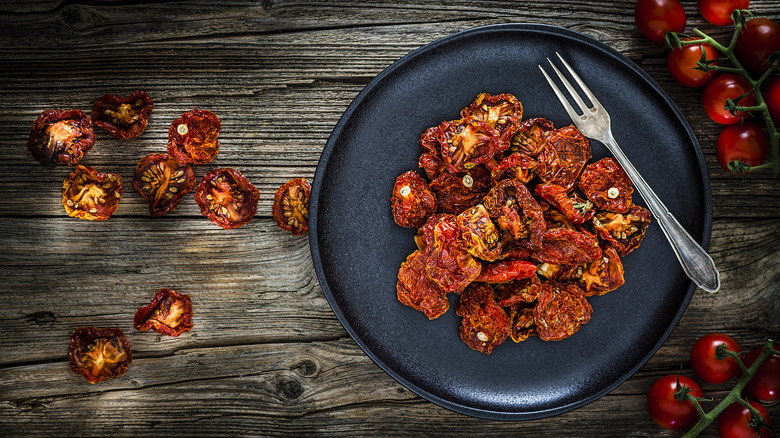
(595, 123)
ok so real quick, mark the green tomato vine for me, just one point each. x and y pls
(727, 55)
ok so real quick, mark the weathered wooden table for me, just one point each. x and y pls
(267, 356)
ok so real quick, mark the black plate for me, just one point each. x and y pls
(357, 248)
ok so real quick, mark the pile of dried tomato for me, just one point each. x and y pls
(515, 220)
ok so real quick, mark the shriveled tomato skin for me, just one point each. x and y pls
(485, 324)
(412, 200)
(91, 195)
(193, 137)
(291, 206)
(99, 354)
(60, 137)
(170, 313)
(162, 182)
(563, 156)
(607, 185)
(123, 117)
(561, 310)
(416, 290)
(227, 198)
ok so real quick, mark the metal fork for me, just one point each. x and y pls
(594, 123)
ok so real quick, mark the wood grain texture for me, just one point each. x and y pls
(267, 355)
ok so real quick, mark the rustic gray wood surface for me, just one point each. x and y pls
(267, 356)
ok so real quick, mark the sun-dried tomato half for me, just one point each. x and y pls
(227, 198)
(516, 166)
(163, 182)
(58, 137)
(99, 353)
(561, 272)
(529, 138)
(430, 160)
(123, 117)
(468, 142)
(170, 313)
(192, 138)
(291, 206)
(501, 112)
(504, 271)
(563, 246)
(555, 219)
(485, 324)
(416, 290)
(456, 192)
(91, 195)
(563, 156)
(448, 262)
(480, 234)
(514, 292)
(560, 311)
(607, 185)
(557, 197)
(514, 208)
(624, 231)
(412, 200)
(603, 275)
(523, 325)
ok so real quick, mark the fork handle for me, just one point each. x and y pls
(696, 263)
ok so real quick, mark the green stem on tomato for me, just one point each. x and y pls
(735, 396)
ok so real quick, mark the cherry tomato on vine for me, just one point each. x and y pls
(759, 39)
(718, 12)
(655, 18)
(734, 421)
(772, 99)
(704, 363)
(666, 409)
(765, 384)
(681, 63)
(726, 86)
(745, 142)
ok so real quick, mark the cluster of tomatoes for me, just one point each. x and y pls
(668, 406)
(741, 141)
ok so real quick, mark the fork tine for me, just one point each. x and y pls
(583, 107)
(565, 102)
(580, 82)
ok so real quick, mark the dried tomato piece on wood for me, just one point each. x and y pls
(193, 137)
(91, 195)
(514, 292)
(501, 112)
(603, 275)
(468, 142)
(504, 271)
(624, 231)
(123, 117)
(563, 156)
(163, 182)
(607, 185)
(291, 206)
(170, 313)
(530, 135)
(456, 192)
(99, 353)
(564, 246)
(448, 262)
(514, 208)
(412, 200)
(485, 324)
(58, 137)
(479, 233)
(416, 290)
(227, 198)
(560, 311)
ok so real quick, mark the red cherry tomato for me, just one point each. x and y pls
(772, 99)
(765, 384)
(664, 407)
(745, 142)
(655, 18)
(759, 39)
(726, 86)
(681, 63)
(704, 363)
(734, 421)
(718, 12)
